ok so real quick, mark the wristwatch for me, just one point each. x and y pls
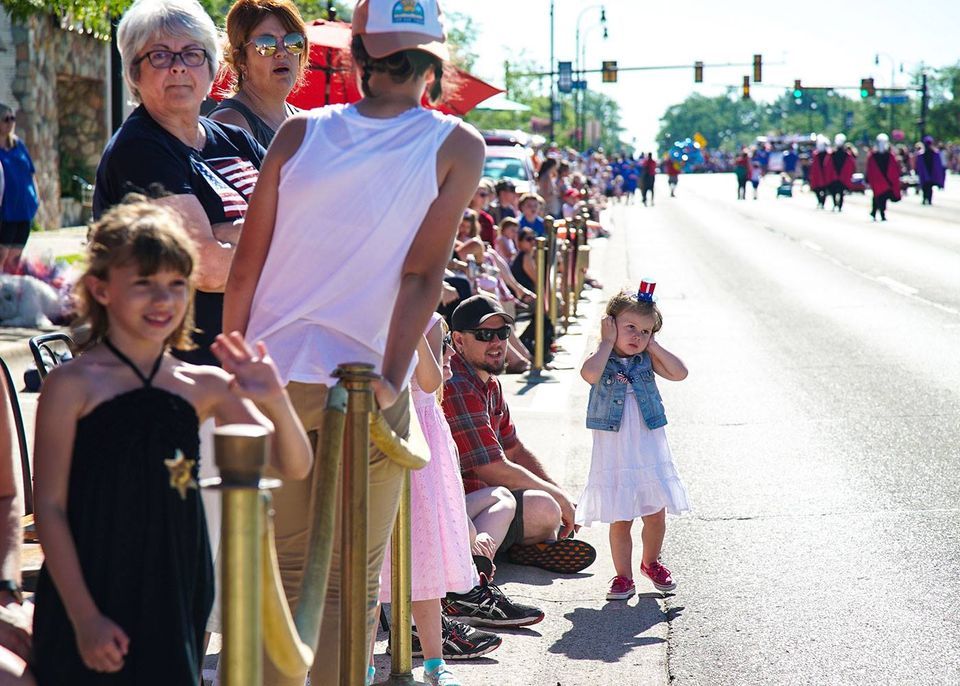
(13, 588)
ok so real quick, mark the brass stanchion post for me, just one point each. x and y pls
(539, 327)
(551, 281)
(356, 378)
(572, 252)
(401, 652)
(241, 454)
(562, 281)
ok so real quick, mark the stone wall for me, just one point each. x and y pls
(60, 79)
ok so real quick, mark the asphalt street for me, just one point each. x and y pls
(817, 434)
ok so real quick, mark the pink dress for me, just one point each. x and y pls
(440, 538)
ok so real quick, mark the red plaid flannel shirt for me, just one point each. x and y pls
(479, 420)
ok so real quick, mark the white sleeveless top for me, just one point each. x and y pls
(351, 200)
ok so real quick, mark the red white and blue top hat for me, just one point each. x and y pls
(645, 294)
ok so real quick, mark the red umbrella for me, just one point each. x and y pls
(330, 66)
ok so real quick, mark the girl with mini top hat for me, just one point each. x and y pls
(631, 470)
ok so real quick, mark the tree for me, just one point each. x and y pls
(94, 16)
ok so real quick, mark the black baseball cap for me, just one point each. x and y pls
(504, 185)
(474, 311)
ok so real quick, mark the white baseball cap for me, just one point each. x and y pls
(389, 26)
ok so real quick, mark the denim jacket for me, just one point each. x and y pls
(605, 409)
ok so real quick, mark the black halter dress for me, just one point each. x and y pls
(137, 521)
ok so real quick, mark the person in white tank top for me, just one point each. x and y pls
(355, 211)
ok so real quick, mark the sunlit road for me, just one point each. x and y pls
(817, 433)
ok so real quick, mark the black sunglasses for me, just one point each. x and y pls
(446, 342)
(486, 335)
(266, 45)
(9, 118)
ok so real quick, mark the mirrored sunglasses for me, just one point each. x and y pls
(266, 45)
(486, 335)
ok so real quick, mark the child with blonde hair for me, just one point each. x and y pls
(631, 470)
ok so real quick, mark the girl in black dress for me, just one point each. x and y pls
(127, 584)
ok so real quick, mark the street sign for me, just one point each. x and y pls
(580, 85)
(564, 77)
(557, 111)
(898, 99)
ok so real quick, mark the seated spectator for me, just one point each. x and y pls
(506, 243)
(530, 207)
(468, 238)
(491, 454)
(479, 201)
(505, 204)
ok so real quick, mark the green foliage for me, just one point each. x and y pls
(94, 15)
(728, 122)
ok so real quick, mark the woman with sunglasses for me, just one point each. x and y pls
(267, 53)
(19, 183)
(205, 171)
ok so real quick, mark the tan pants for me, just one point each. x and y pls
(292, 505)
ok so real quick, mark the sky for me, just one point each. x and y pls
(818, 41)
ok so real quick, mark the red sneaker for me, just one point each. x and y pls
(659, 575)
(621, 588)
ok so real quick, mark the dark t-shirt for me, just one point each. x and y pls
(143, 157)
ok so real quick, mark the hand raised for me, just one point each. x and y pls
(255, 375)
(608, 329)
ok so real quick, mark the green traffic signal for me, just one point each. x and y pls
(797, 93)
(864, 93)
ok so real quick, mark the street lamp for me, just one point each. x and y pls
(581, 96)
(893, 64)
(581, 64)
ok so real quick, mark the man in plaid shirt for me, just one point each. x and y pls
(491, 454)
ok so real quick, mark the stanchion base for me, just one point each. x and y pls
(537, 376)
(400, 680)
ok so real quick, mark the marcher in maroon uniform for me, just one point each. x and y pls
(649, 177)
(839, 170)
(818, 171)
(883, 175)
(929, 166)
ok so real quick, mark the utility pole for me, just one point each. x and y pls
(553, 95)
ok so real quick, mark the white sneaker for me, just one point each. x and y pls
(441, 677)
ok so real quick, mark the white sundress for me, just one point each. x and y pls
(631, 472)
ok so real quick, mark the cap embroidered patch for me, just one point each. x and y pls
(407, 12)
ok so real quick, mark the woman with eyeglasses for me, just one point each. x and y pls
(205, 170)
(19, 184)
(267, 53)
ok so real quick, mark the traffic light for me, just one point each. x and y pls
(866, 88)
(698, 72)
(746, 87)
(609, 71)
(757, 68)
(797, 89)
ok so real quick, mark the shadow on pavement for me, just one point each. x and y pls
(534, 576)
(609, 633)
